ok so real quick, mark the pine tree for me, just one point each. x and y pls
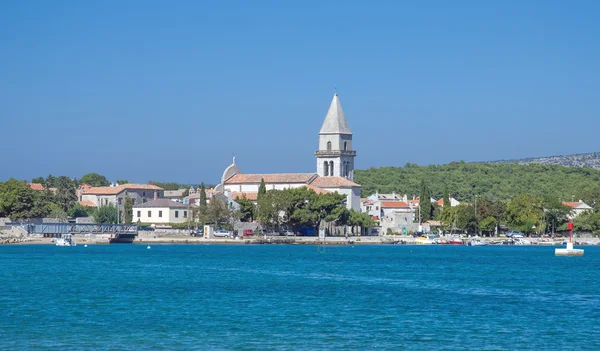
(128, 210)
(446, 198)
(202, 194)
(202, 206)
(262, 189)
(260, 201)
(425, 205)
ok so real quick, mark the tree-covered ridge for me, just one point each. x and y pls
(466, 180)
(591, 160)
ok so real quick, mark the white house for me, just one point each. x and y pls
(161, 211)
(577, 208)
(453, 202)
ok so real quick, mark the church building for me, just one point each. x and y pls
(334, 173)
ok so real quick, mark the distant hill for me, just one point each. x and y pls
(591, 160)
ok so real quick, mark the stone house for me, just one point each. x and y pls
(115, 195)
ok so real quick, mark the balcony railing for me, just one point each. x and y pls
(334, 153)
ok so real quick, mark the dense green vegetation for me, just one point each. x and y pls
(503, 181)
(18, 201)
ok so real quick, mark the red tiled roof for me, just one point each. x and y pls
(252, 196)
(36, 186)
(271, 178)
(414, 202)
(572, 204)
(209, 193)
(165, 203)
(317, 190)
(87, 203)
(394, 204)
(332, 182)
(107, 190)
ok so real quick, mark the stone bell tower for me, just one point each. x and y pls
(335, 157)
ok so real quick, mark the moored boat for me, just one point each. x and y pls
(424, 240)
(455, 241)
(66, 240)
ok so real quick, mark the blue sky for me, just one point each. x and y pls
(169, 90)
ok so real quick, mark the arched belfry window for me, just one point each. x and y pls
(329, 146)
(325, 168)
(345, 145)
(331, 170)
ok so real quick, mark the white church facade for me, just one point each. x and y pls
(335, 166)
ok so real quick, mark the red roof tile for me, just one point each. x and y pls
(252, 196)
(394, 204)
(271, 178)
(107, 190)
(36, 186)
(87, 203)
(317, 190)
(572, 204)
(332, 182)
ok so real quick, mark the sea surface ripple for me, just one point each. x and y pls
(297, 297)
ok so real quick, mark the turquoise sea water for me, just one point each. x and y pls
(246, 297)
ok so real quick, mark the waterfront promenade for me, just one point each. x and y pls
(301, 240)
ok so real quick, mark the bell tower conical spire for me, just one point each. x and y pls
(335, 156)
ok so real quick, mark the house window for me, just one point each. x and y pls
(176, 214)
(120, 200)
(159, 214)
(139, 214)
(329, 146)
(132, 202)
(143, 193)
(185, 214)
(149, 213)
(345, 145)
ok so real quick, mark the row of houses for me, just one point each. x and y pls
(400, 213)
(152, 204)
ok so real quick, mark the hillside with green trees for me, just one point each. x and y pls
(464, 181)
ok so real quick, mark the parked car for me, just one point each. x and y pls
(272, 233)
(199, 232)
(289, 233)
(221, 233)
(514, 234)
(248, 232)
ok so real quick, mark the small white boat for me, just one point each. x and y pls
(477, 243)
(66, 240)
(522, 242)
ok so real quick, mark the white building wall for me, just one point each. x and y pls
(151, 215)
(337, 141)
(352, 196)
(253, 188)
